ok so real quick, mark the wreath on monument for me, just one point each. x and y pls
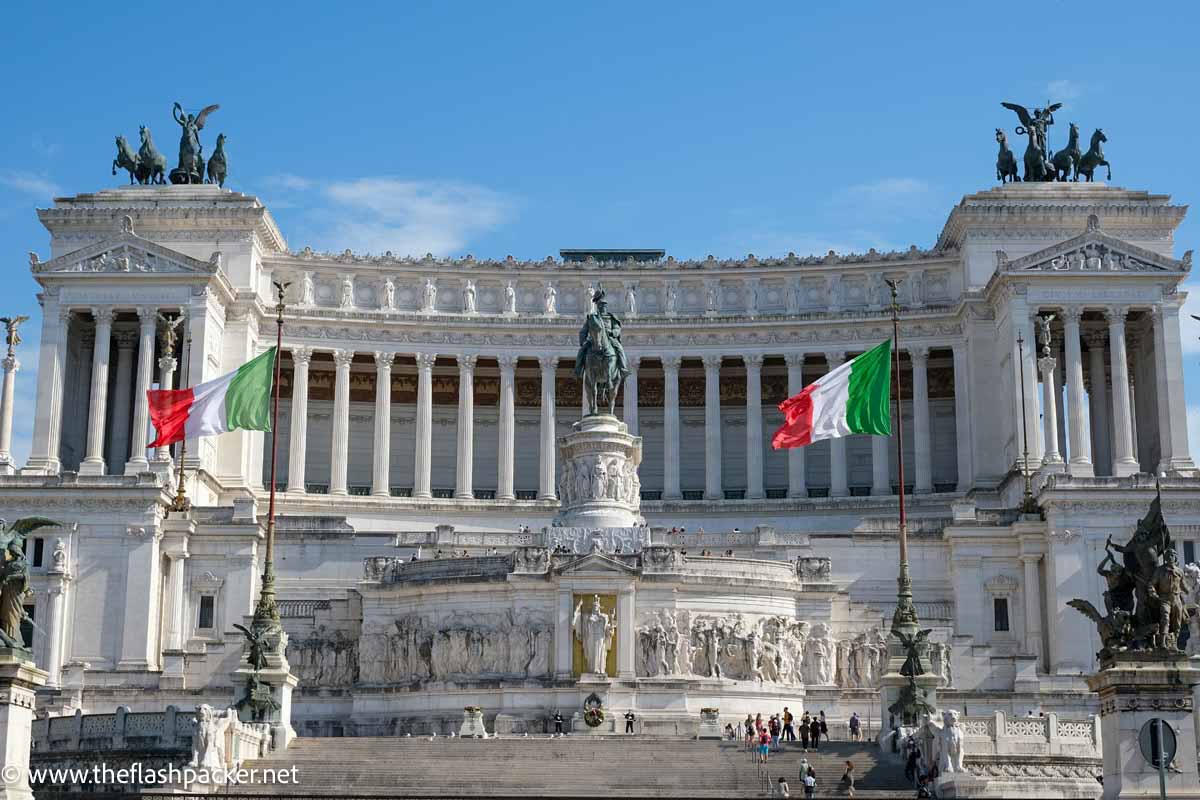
(593, 711)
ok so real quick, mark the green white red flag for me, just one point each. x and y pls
(854, 398)
(239, 400)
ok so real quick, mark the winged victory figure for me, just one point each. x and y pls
(1037, 156)
(14, 576)
(191, 159)
(13, 336)
(912, 648)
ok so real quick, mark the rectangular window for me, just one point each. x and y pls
(39, 551)
(1000, 609)
(1189, 552)
(27, 626)
(207, 604)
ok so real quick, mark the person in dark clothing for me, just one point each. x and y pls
(804, 735)
(910, 766)
(824, 726)
(558, 721)
(814, 733)
(629, 718)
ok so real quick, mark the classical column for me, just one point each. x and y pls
(466, 428)
(881, 468)
(118, 433)
(1172, 422)
(1052, 461)
(626, 635)
(166, 380)
(547, 443)
(47, 418)
(7, 398)
(508, 429)
(54, 631)
(1081, 450)
(147, 328)
(1124, 464)
(298, 440)
(923, 477)
(962, 418)
(837, 447)
(629, 404)
(797, 486)
(340, 458)
(175, 622)
(381, 479)
(93, 464)
(424, 449)
(754, 435)
(1033, 606)
(713, 489)
(1098, 403)
(1060, 406)
(671, 489)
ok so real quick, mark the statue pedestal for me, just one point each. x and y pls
(277, 675)
(19, 678)
(1133, 689)
(597, 475)
(472, 724)
(710, 724)
(960, 784)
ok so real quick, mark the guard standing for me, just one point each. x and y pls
(558, 721)
(629, 718)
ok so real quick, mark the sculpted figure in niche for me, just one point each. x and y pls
(598, 480)
(510, 298)
(631, 300)
(469, 297)
(429, 300)
(712, 298)
(614, 480)
(595, 631)
(308, 290)
(347, 292)
(672, 303)
(550, 299)
(389, 295)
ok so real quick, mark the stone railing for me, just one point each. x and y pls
(1000, 734)
(156, 739)
(121, 730)
(389, 569)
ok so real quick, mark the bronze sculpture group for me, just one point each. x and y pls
(600, 361)
(1041, 164)
(148, 166)
(1144, 602)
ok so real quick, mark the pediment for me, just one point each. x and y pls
(596, 564)
(1094, 251)
(125, 252)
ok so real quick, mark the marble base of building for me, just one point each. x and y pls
(1135, 689)
(19, 679)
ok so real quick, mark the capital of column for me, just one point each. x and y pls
(11, 364)
(1046, 366)
(1096, 339)
(343, 358)
(1116, 315)
(425, 361)
(711, 362)
(671, 362)
(794, 359)
(148, 317)
(302, 356)
(167, 363)
(918, 355)
(633, 360)
(548, 363)
(65, 313)
(507, 362)
(103, 315)
(1071, 315)
(466, 363)
(384, 360)
(753, 361)
(835, 357)
(1029, 558)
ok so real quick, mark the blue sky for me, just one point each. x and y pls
(522, 128)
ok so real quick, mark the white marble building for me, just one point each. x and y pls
(422, 399)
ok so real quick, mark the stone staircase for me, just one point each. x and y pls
(541, 766)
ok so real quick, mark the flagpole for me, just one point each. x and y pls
(180, 504)
(905, 616)
(266, 613)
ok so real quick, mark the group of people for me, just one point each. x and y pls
(765, 735)
(727, 553)
(914, 768)
(464, 553)
(808, 780)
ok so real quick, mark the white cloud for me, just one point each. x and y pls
(37, 185)
(406, 217)
(1063, 90)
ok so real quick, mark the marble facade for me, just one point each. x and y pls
(423, 400)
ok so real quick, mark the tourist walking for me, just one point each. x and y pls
(804, 768)
(814, 733)
(804, 734)
(764, 746)
(855, 728)
(629, 719)
(848, 778)
(810, 783)
(789, 728)
(824, 726)
(781, 788)
(773, 729)
(751, 733)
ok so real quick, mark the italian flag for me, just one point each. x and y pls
(854, 398)
(241, 399)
